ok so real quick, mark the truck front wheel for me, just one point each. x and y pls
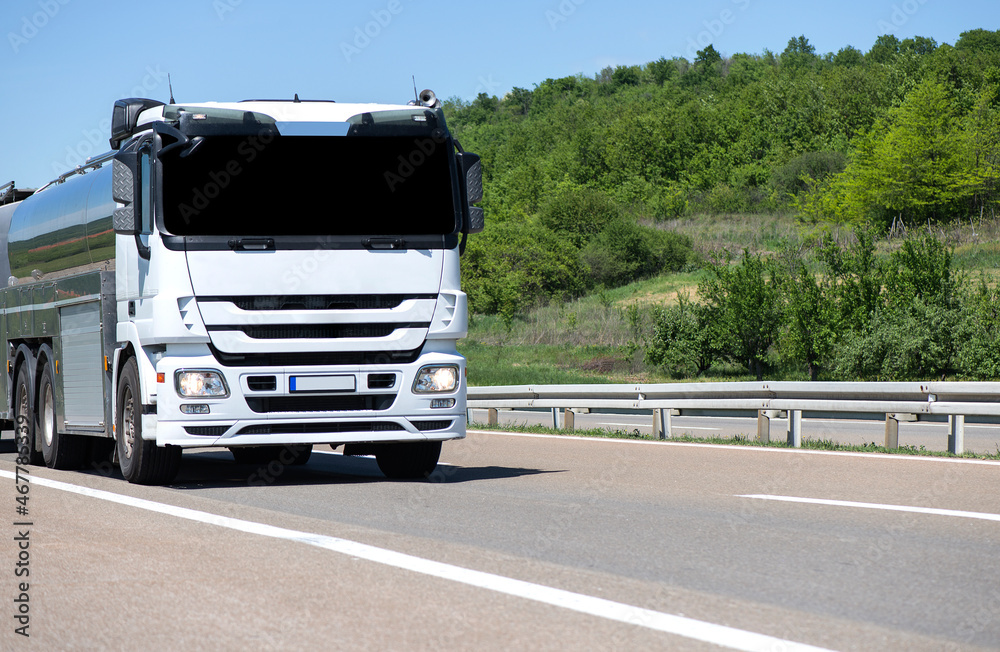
(141, 461)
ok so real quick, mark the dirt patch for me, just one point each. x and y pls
(601, 365)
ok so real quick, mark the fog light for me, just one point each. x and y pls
(200, 383)
(195, 408)
(436, 378)
(443, 403)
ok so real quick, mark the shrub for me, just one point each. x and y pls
(625, 251)
(514, 265)
(795, 176)
(578, 213)
(679, 344)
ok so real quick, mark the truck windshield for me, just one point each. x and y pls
(309, 185)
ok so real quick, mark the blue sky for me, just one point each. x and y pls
(64, 62)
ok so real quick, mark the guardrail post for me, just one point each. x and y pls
(555, 418)
(662, 426)
(569, 419)
(956, 434)
(469, 417)
(494, 417)
(891, 431)
(763, 426)
(795, 428)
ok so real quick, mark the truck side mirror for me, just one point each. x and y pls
(125, 219)
(472, 176)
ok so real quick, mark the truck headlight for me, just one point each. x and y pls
(192, 383)
(436, 378)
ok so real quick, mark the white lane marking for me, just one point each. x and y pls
(892, 508)
(731, 447)
(730, 637)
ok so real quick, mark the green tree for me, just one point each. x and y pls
(578, 214)
(913, 166)
(799, 53)
(811, 319)
(885, 50)
(515, 265)
(978, 354)
(679, 344)
(743, 309)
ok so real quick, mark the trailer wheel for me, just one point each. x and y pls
(141, 461)
(408, 460)
(293, 454)
(24, 418)
(59, 450)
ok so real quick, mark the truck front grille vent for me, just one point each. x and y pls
(424, 426)
(381, 381)
(320, 428)
(320, 331)
(366, 402)
(321, 302)
(316, 358)
(206, 431)
(262, 383)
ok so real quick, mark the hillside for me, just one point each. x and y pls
(797, 215)
(586, 175)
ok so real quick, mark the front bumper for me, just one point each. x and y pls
(258, 413)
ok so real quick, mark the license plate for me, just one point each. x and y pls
(322, 384)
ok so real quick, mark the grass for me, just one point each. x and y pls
(739, 440)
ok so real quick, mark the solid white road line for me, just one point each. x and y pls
(730, 637)
(892, 508)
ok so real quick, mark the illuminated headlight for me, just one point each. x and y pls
(437, 378)
(192, 383)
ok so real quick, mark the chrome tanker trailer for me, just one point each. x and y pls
(262, 276)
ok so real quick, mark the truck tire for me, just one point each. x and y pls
(293, 454)
(59, 450)
(408, 460)
(24, 417)
(141, 461)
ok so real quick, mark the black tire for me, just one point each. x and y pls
(141, 461)
(24, 418)
(292, 454)
(408, 460)
(59, 450)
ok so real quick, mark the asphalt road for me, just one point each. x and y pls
(517, 542)
(979, 437)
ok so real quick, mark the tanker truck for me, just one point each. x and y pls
(262, 276)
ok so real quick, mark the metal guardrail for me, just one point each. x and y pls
(897, 401)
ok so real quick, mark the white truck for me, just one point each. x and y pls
(262, 276)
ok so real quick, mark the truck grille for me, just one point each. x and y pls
(321, 302)
(322, 331)
(319, 428)
(323, 358)
(357, 402)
